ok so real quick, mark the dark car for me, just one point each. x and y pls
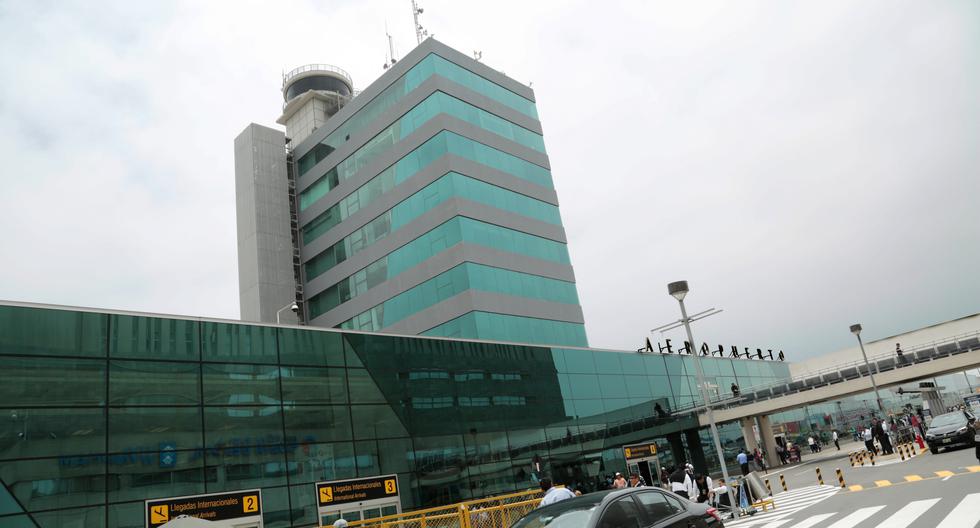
(953, 429)
(643, 507)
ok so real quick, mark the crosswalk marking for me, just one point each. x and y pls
(882, 483)
(944, 473)
(856, 517)
(777, 524)
(912, 478)
(973, 469)
(910, 512)
(812, 521)
(965, 513)
(786, 504)
(856, 487)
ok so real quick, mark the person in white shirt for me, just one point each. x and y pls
(813, 444)
(836, 442)
(553, 494)
(681, 483)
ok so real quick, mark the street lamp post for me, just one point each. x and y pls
(856, 330)
(678, 290)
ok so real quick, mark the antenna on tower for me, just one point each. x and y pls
(390, 59)
(420, 32)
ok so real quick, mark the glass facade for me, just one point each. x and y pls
(484, 171)
(102, 411)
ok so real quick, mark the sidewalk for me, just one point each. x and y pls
(829, 452)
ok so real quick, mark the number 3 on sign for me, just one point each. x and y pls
(390, 486)
(250, 503)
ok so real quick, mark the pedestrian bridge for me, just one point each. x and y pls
(956, 354)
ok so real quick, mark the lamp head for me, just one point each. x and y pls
(678, 290)
(294, 307)
(856, 329)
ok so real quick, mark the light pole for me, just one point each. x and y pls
(856, 330)
(678, 290)
(292, 306)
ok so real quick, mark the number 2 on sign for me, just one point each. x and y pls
(250, 503)
(390, 486)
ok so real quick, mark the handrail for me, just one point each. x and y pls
(834, 369)
(315, 67)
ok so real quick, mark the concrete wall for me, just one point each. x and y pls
(265, 247)
(885, 347)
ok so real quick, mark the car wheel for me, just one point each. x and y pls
(934, 450)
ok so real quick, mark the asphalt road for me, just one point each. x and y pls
(926, 491)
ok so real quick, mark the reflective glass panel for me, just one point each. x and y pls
(153, 338)
(134, 429)
(238, 343)
(139, 476)
(230, 384)
(153, 383)
(52, 332)
(28, 433)
(32, 381)
(325, 423)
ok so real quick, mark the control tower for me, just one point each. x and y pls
(311, 95)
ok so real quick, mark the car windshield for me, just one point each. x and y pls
(570, 513)
(944, 420)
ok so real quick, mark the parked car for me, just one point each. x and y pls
(644, 507)
(950, 430)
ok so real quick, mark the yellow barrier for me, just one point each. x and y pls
(491, 512)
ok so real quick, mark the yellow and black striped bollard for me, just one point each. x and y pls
(851, 457)
(819, 477)
(840, 478)
(872, 455)
(782, 480)
(901, 452)
(768, 487)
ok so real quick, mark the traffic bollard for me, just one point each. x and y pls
(901, 452)
(840, 478)
(768, 487)
(852, 459)
(872, 458)
(782, 480)
(819, 477)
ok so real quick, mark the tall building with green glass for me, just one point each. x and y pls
(425, 205)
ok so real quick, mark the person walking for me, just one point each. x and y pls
(680, 482)
(636, 481)
(619, 482)
(836, 439)
(735, 391)
(781, 454)
(813, 444)
(901, 356)
(869, 441)
(886, 445)
(743, 461)
(553, 494)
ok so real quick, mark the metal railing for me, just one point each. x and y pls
(315, 67)
(491, 512)
(836, 369)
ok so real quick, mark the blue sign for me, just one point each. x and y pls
(168, 454)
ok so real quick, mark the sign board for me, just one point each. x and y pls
(973, 403)
(339, 492)
(239, 506)
(638, 451)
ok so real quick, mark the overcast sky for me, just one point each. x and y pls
(804, 165)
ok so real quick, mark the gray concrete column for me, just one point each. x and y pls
(768, 441)
(748, 433)
(696, 450)
(677, 448)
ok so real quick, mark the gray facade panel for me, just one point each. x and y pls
(481, 301)
(425, 223)
(265, 245)
(395, 72)
(441, 263)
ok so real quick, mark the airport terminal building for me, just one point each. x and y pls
(103, 410)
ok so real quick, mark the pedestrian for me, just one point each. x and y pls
(704, 486)
(916, 425)
(340, 523)
(836, 439)
(636, 481)
(901, 356)
(721, 494)
(869, 441)
(976, 437)
(664, 478)
(886, 446)
(735, 391)
(760, 459)
(813, 444)
(619, 482)
(743, 461)
(553, 494)
(781, 454)
(680, 482)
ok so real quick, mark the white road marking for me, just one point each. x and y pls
(856, 517)
(787, 503)
(813, 521)
(947, 478)
(965, 514)
(910, 512)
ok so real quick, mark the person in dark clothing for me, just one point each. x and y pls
(898, 352)
(680, 482)
(879, 432)
(704, 487)
(735, 391)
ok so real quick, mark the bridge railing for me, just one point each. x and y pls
(921, 353)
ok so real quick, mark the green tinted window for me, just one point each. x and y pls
(305, 347)
(500, 327)
(154, 338)
(52, 332)
(435, 104)
(51, 432)
(52, 382)
(457, 230)
(238, 342)
(148, 429)
(148, 475)
(242, 426)
(326, 423)
(314, 385)
(431, 65)
(458, 279)
(229, 384)
(153, 383)
(50, 483)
